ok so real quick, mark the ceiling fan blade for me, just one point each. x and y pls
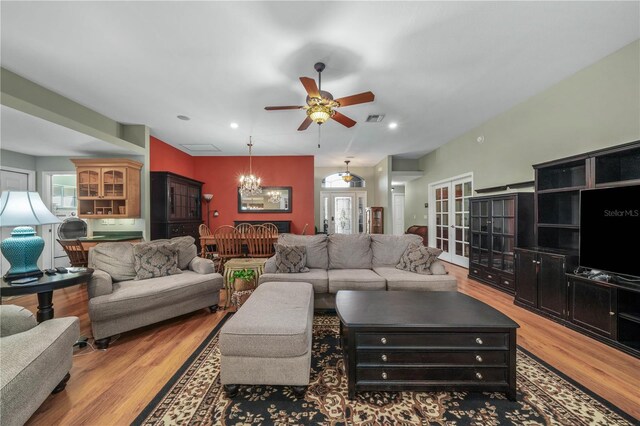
(360, 98)
(310, 86)
(305, 124)
(276, 108)
(343, 119)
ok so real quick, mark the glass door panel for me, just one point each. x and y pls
(113, 183)
(343, 213)
(451, 210)
(88, 183)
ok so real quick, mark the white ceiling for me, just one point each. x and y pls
(31, 135)
(437, 68)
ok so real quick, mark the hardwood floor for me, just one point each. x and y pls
(111, 387)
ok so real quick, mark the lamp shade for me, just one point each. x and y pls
(18, 208)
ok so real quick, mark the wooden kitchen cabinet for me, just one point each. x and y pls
(108, 187)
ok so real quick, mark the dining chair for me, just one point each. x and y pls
(260, 241)
(272, 228)
(229, 244)
(244, 228)
(76, 252)
(208, 250)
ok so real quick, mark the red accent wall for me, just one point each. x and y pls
(221, 175)
(165, 158)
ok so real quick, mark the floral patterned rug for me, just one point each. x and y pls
(194, 396)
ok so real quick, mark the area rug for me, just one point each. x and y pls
(194, 396)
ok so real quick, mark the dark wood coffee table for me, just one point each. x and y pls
(404, 340)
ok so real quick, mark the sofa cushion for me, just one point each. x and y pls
(116, 259)
(273, 322)
(349, 251)
(398, 279)
(318, 278)
(291, 259)
(316, 245)
(354, 279)
(388, 249)
(138, 296)
(155, 259)
(418, 259)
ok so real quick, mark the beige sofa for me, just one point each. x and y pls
(35, 358)
(119, 303)
(357, 262)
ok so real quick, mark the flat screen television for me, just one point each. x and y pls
(609, 216)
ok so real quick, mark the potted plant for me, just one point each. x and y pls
(243, 279)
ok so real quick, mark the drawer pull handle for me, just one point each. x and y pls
(384, 357)
(479, 376)
(489, 276)
(506, 282)
(478, 358)
(384, 376)
(612, 313)
(383, 340)
(479, 341)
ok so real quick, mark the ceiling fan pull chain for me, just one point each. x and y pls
(319, 127)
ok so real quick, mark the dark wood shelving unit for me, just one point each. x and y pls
(544, 277)
(176, 206)
(499, 223)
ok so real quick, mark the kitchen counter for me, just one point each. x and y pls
(110, 237)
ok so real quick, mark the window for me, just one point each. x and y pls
(335, 181)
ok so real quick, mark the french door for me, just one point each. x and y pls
(343, 212)
(450, 219)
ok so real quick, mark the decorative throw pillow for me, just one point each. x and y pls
(155, 259)
(418, 259)
(291, 259)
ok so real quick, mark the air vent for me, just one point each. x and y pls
(376, 118)
(201, 147)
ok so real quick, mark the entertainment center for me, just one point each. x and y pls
(584, 206)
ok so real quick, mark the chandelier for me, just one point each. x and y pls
(347, 176)
(250, 184)
(274, 197)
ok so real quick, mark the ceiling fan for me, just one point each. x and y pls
(321, 106)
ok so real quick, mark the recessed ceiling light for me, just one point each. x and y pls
(234, 125)
(184, 118)
(393, 125)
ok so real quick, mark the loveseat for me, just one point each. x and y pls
(357, 262)
(119, 302)
(36, 360)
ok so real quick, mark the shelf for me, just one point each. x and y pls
(558, 226)
(558, 190)
(634, 317)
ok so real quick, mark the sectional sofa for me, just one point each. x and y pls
(357, 262)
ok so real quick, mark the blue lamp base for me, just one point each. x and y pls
(22, 250)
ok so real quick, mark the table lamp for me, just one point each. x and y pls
(23, 248)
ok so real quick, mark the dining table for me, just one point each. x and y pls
(210, 240)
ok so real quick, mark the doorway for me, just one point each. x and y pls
(449, 216)
(12, 179)
(60, 197)
(343, 212)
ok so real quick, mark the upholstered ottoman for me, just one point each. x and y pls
(268, 341)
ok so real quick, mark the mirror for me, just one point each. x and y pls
(274, 199)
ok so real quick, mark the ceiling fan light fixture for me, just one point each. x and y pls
(319, 113)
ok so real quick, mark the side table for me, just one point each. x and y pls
(44, 287)
(237, 264)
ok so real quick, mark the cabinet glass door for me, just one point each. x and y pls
(114, 182)
(503, 234)
(88, 183)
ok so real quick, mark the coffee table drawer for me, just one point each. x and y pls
(412, 374)
(380, 357)
(433, 340)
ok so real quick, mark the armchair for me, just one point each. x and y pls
(36, 360)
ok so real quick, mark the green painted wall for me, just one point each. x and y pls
(597, 107)
(17, 160)
(382, 172)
